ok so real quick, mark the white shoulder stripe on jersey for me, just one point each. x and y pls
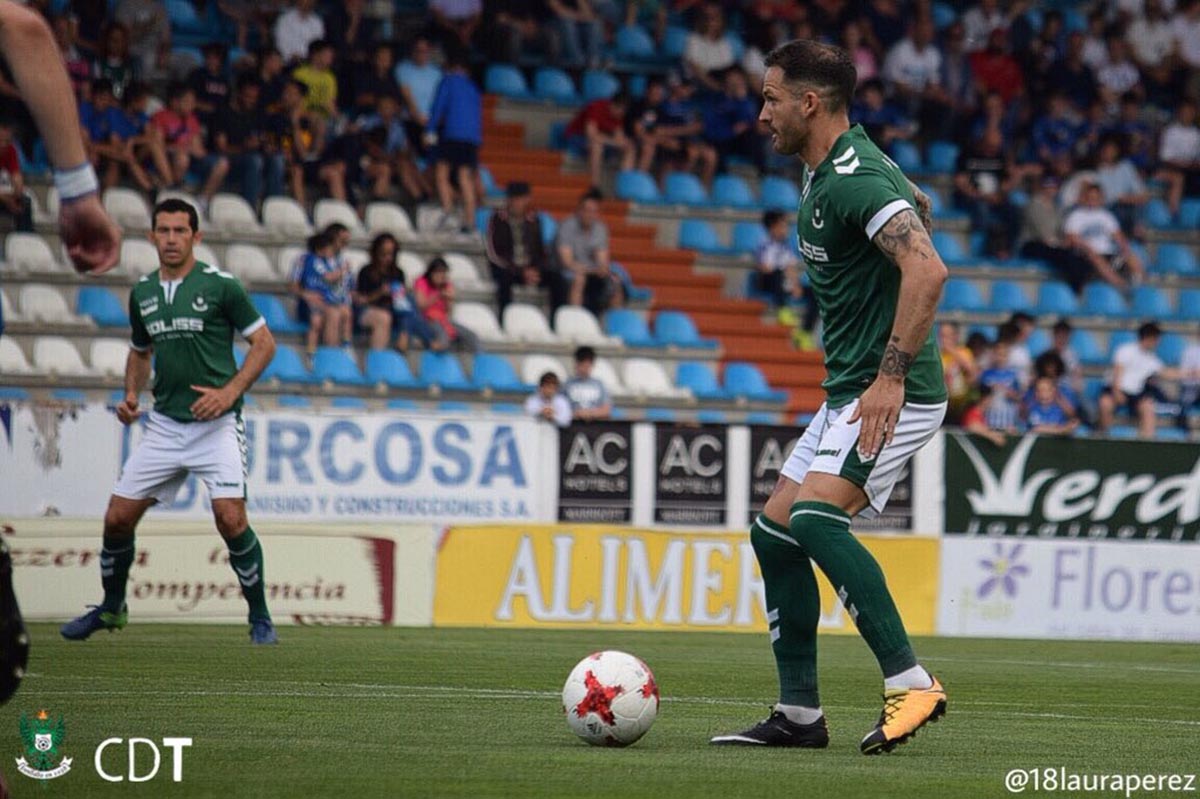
(253, 326)
(884, 214)
(136, 348)
(846, 156)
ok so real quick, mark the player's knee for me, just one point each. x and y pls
(118, 524)
(231, 521)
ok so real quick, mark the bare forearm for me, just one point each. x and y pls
(137, 372)
(261, 351)
(922, 274)
(39, 73)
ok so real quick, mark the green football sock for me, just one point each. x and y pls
(824, 531)
(116, 556)
(793, 610)
(246, 558)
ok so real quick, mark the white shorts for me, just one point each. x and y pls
(830, 446)
(214, 451)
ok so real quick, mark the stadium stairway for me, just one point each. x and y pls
(739, 325)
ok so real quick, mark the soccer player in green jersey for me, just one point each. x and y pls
(185, 314)
(877, 280)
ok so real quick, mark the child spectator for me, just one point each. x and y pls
(240, 133)
(1048, 412)
(1005, 384)
(317, 74)
(1179, 155)
(776, 260)
(730, 127)
(180, 129)
(547, 403)
(210, 82)
(434, 297)
(991, 419)
(398, 155)
(295, 136)
(600, 127)
(958, 368)
(456, 126)
(109, 138)
(113, 63)
(588, 396)
(323, 287)
(1060, 345)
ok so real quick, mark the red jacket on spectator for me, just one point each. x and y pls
(599, 112)
(997, 71)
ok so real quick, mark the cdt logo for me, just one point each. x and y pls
(176, 745)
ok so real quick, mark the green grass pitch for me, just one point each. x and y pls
(335, 712)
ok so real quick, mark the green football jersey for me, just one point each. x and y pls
(846, 200)
(190, 324)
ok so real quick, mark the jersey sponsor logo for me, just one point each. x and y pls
(846, 163)
(812, 253)
(183, 324)
(199, 304)
(149, 306)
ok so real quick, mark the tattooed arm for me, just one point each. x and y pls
(905, 241)
(924, 206)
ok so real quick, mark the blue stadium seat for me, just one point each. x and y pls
(1122, 432)
(1055, 298)
(762, 417)
(1117, 338)
(1151, 303)
(746, 380)
(1019, 198)
(637, 186)
(443, 369)
(511, 408)
(976, 240)
(941, 157)
(696, 234)
(1087, 348)
(629, 326)
(454, 406)
(684, 188)
(1170, 433)
(634, 42)
(1039, 341)
(712, 417)
(1177, 259)
(294, 402)
(555, 85)
(747, 236)
(287, 366)
(102, 305)
(659, 415)
(962, 295)
(1189, 304)
(779, 193)
(700, 379)
(949, 246)
(636, 85)
(549, 227)
(906, 155)
(401, 404)
(674, 42)
(496, 373)
(1189, 213)
(1156, 214)
(675, 328)
(348, 403)
(336, 364)
(1171, 348)
(390, 368)
(1009, 296)
(943, 15)
(69, 395)
(599, 85)
(275, 314)
(16, 393)
(935, 199)
(505, 80)
(732, 191)
(482, 215)
(1101, 299)
(490, 187)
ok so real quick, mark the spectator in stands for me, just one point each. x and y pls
(149, 33)
(210, 81)
(418, 77)
(381, 292)
(1133, 382)
(323, 287)
(982, 181)
(256, 14)
(1189, 380)
(679, 127)
(1060, 345)
(588, 396)
(1118, 74)
(547, 403)
(339, 234)
(1013, 334)
(1186, 25)
(146, 140)
(995, 70)
(374, 81)
(580, 32)
(1049, 364)
(777, 262)
(866, 65)
(1048, 413)
(180, 129)
(240, 132)
(1179, 155)
(455, 21)
(731, 128)
(13, 201)
(297, 28)
(1072, 77)
(516, 253)
(1004, 383)
(316, 73)
(353, 161)
(1094, 231)
(1041, 238)
(981, 348)
(981, 21)
(456, 126)
(958, 367)
(992, 417)
(109, 138)
(293, 133)
(642, 122)
(514, 29)
(582, 248)
(1124, 190)
(434, 298)
(994, 114)
(957, 79)
(113, 62)
(79, 70)
(600, 127)
(1056, 131)
(89, 18)
(350, 31)
(397, 154)
(883, 121)
(707, 53)
(1151, 40)
(1137, 137)
(271, 76)
(914, 69)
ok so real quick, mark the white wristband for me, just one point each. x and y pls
(76, 182)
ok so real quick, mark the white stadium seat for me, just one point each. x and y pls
(356, 257)
(8, 310)
(207, 255)
(480, 319)
(287, 260)
(190, 199)
(647, 378)
(45, 304)
(53, 205)
(389, 218)
(412, 264)
(463, 273)
(328, 211)
(603, 371)
(579, 326)
(232, 215)
(127, 208)
(527, 323)
(29, 252)
(534, 366)
(12, 359)
(285, 218)
(249, 263)
(138, 257)
(56, 355)
(108, 356)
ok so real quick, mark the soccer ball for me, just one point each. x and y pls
(610, 699)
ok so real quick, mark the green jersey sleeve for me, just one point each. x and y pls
(866, 193)
(139, 337)
(241, 312)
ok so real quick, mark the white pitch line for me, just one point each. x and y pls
(1058, 664)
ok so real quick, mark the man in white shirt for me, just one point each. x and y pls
(1189, 379)
(297, 28)
(1132, 382)
(914, 64)
(548, 403)
(1094, 231)
(1150, 37)
(1179, 154)
(980, 21)
(1186, 25)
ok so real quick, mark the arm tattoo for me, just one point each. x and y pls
(924, 206)
(904, 236)
(896, 362)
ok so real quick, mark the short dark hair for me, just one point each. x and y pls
(591, 194)
(246, 80)
(174, 205)
(1148, 330)
(1007, 333)
(318, 241)
(335, 228)
(772, 217)
(438, 264)
(178, 90)
(1062, 326)
(102, 86)
(824, 66)
(1049, 364)
(318, 45)
(1022, 316)
(547, 378)
(585, 353)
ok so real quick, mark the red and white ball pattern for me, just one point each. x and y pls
(610, 699)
